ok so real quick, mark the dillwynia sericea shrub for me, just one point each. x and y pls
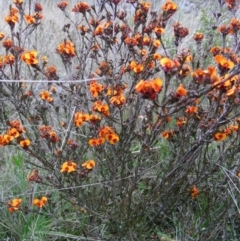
(125, 131)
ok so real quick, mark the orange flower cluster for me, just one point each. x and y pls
(205, 76)
(101, 107)
(149, 89)
(89, 164)
(12, 18)
(62, 5)
(117, 96)
(44, 131)
(170, 7)
(45, 95)
(168, 65)
(47, 132)
(81, 7)
(29, 57)
(95, 88)
(179, 31)
(51, 73)
(68, 166)
(14, 133)
(67, 49)
(40, 202)
(109, 134)
(6, 60)
(141, 13)
(14, 204)
(80, 118)
(105, 133)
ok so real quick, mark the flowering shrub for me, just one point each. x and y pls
(134, 138)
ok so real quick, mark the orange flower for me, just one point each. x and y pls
(98, 31)
(53, 137)
(11, 19)
(80, 117)
(198, 37)
(96, 141)
(130, 41)
(62, 5)
(1, 36)
(168, 64)
(215, 50)
(38, 7)
(94, 118)
(105, 130)
(44, 95)
(118, 100)
(90, 164)
(14, 205)
(16, 124)
(146, 40)
(220, 136)
(181, 121)
(156, 43)
(13, 133)
(44, 130)
(67, 49)
(101, 107)
(18, 1)
(234, 25)
(30, 19)
(169, 6)
(25, 143)
(149, 89)
(40, 202)
(112, 138)
(7, 44)
(194, 192)
(223, 63)
(9, 59)
(167, 134)
(191, 110)
(34, 176)
(224, 30)
(181, 91)
(5, 140)
(138, 69)
(159, 31)
(68, 166)
(29, 57)
(95, 88)
(157, 56)
(81, 7)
